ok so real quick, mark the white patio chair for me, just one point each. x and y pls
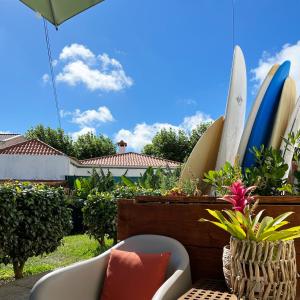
(84, 280)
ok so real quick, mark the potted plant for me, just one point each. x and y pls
(263, 257)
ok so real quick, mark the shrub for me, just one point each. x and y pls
(34, 219)
(99, 216)
(98, 182)
(75, 205)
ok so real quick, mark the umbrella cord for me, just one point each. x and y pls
(52, 71)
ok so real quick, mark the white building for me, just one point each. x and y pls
(35, 160)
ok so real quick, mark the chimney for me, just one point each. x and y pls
(122, 147)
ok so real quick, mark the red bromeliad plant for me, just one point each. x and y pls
(242, 223)
(239, 196)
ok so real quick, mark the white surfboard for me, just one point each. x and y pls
(253, 113)
(284, 112)
(235, 111)
(293, 126)
(204, 155)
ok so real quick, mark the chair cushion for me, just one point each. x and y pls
(133, 275)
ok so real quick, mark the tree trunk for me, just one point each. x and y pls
(102, 241)
(18, 269)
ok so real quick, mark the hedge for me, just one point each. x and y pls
(33, 221)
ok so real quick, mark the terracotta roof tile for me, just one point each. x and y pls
(129, 159)
(31, 147)
(5, 136)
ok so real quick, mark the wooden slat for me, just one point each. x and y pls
(274, 200)
(203, 241)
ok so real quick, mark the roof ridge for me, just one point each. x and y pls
(6, 133)
(130, 152)
(161, 158)
(104, 156)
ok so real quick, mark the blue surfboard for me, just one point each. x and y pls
(264, 121)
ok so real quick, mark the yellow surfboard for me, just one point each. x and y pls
(284, 112)
(204, 155)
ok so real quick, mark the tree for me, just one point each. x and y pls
(56, 138)
(99, 216)
(169, 144)
(89, 145)
(197, 133)
(175, 145)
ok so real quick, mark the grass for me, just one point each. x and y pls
(74, 248)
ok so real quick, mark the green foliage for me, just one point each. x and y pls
(34, 219)
(252, 228)
(191, 187)
(163, 179)
(130, 192)
(73, 249)
(89, 145)
(97, 182)
(169, 144)
(56, 138)
(99, 216)
(268, 172)
(219, 179)
(175, 145)
(292, 143)
(83, 187)
(86, 146)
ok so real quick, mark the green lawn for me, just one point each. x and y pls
(74, 248)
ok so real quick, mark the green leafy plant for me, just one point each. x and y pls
(98, 181)
(159, 179)
(268, 172)
(99, 216)
(219, 179)
(34, 219)
(292, 143)
(241, 222)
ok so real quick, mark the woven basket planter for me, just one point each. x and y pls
(264, 270)
(226, 259)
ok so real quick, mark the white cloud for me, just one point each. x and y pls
(76, 51)
(92, 116)
(191, 122)
(82, 131)
(101, 72)
(143, 133)
(45, 78)
(288, 52)
(64, 113)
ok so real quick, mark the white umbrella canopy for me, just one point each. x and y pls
(58, 11)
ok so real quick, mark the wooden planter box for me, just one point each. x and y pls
(178, 217)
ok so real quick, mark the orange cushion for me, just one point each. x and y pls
(134, 276)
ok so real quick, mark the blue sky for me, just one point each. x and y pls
(126, 68)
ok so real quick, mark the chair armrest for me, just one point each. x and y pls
(175, 286)
(79, 281)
